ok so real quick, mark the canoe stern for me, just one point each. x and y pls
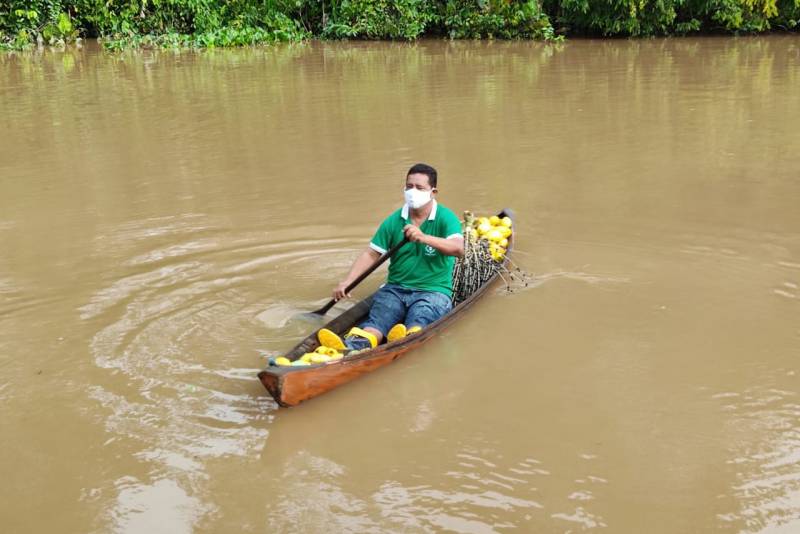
(290, 387)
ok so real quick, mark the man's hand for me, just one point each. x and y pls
(449, 247)
(362, 263)
(414, 234)
(338, 293)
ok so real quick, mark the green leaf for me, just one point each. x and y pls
(64, 24)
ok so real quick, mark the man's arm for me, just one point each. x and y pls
(364, 261)
(452, 246)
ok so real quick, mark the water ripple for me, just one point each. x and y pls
(168, 328)
(768, 490)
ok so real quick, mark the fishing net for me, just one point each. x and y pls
(476, 267)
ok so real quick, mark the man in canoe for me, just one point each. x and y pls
(419, 288)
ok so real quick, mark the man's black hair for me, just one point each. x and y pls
(427, 170)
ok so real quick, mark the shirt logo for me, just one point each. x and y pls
(430, 251)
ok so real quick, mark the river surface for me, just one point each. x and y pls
(165, 216)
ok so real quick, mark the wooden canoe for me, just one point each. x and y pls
(290, 385)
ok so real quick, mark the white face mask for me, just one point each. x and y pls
(416, 198)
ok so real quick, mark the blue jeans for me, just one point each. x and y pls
(395, 304)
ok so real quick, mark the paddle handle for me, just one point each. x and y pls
(385, 256)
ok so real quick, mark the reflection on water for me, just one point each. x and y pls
(768, 485)
(160, 507)
(166, 217)
(466, 502)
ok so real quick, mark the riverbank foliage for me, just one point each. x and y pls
(208, 23)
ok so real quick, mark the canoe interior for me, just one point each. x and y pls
(290, 385)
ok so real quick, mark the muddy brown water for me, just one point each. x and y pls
(163, 217)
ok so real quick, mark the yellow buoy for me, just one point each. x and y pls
(320, 358)
(494, 235)
(326, 350)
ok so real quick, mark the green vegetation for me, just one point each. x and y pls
(665, 17)
(209, 23)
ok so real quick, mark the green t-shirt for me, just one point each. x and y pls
(418, 266)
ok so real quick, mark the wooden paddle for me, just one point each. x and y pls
(385, 256)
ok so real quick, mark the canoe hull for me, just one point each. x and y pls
(290, 389)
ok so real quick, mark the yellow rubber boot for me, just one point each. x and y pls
(329, 339)
(413, 330)
(398, 331)
(356, 331)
